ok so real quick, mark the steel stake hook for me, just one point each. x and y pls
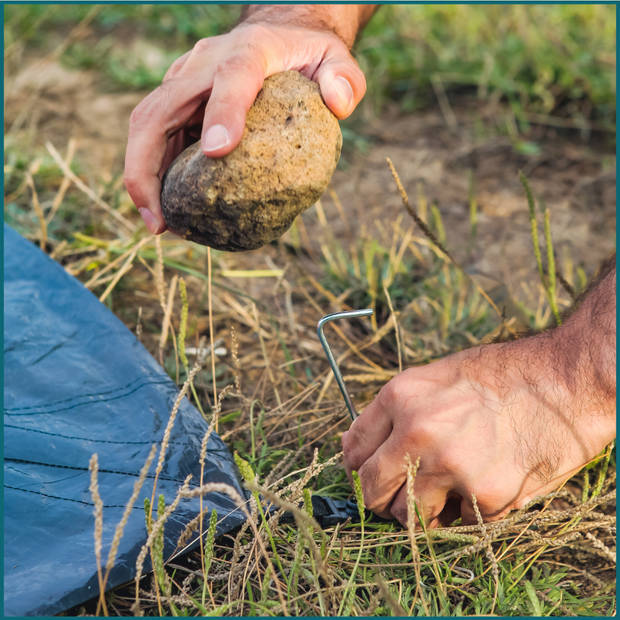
(330, 356)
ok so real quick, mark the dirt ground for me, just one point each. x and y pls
(435, 155)
(573, 175)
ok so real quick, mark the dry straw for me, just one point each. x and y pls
(412, 470)
(130, 226)
(93, 466)
(171, 420)
(118, 533)
(488, 549)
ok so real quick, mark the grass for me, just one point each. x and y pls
(542, 59)
(279, 414)
(266, 384)
(410, 54)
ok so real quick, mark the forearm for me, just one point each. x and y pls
(345, 20)
(560, 383)
(586, 343)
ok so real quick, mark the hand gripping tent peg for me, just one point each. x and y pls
(330, 356)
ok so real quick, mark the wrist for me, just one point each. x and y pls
(556, 430)
(586, 367)
(343, 20)
(568, 386)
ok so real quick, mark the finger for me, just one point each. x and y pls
(366, 434)
(176, 66)
(382, 476)
(175, 145)
(182, 139)
(235, 87)
(471, 516)
(158, 116)
(341, 81)
(428, 501)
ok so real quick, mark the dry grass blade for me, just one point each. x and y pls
(396, 608)
(211, 333)
(607, 552)
(93, 466)
(118, 533)
(36, 205)
(76, 33)
(396, 327)
(65, 183)
(266, 356)
(163, 337)
(98, 278)
(130, 226)
(171, 420)
(160, 284)
(124, 268)
(429, 233)
(488, 549)
(412, 470)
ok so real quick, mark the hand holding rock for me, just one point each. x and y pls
(284, 162)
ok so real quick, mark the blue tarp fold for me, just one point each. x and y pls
(78, 382)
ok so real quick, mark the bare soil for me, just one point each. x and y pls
(573, 177)
(572, 174)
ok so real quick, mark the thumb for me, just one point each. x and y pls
(342, 83)
(231, 97)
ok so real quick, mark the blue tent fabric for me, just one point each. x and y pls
(78, 382)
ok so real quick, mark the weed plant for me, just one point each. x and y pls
(276, 405)
(410, 54)
(239, 337)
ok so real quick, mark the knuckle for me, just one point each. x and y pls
(239, 63)
(137, 115)
(447, 460)
(351, 451)
(369, 475)
(174, 69)
(389, 394)
(253, 32)
(202, 46)
(224, 100)
(491, 497)
(399, 513)
(152, 106)
(348, 442)
(356, 434)
(132, 184)
(419, 438)
(143, 112)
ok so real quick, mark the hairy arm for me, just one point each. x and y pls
(505, 422)
(344, 20)
(207, 92)
(586, 346)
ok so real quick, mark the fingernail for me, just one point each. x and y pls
(149, 220)
(345, 92)
(215, 138)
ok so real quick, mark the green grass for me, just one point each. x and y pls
(546, 567)
(521, 566)
(542, 59)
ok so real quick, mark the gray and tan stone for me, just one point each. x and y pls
(284, 162)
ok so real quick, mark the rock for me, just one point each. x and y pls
(284, 162)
